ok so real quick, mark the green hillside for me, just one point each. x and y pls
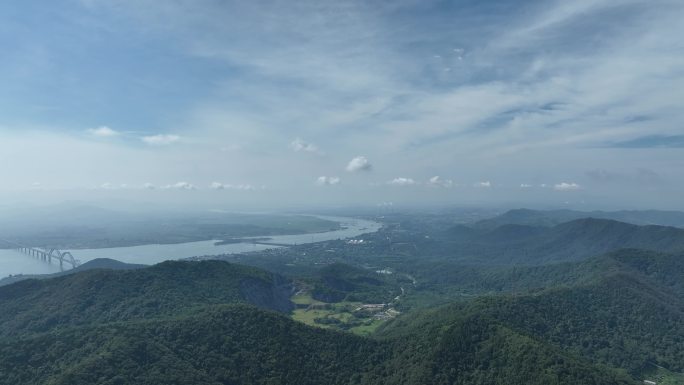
(565, 242)
(665, 269)
(626, 311)
(195, 322)
(166, 289)
(556, 217)
(226, 344)
(464, 347)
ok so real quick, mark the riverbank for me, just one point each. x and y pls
(154, 253)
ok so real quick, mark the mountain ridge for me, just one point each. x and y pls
(566, 242)
(547, 218)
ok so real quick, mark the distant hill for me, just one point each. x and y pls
(169, 288)
(555, 217)
(464, 347)
(228, 344)
(568, 241)
(589, 236)
(98, 263)
(605, 320)
(243, 345)
(106, 263)
(621, 320)
(622, 310)
(195, 322)
(665, 269)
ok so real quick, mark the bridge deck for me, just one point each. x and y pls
(46, 255)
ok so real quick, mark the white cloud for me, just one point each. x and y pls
(107, 186)
(102, 132)
(402, 182)
(180, 186)
(299, 145)
(439, 182)
(565, 186)
(525, 185)
(224, 186)
(484, 184)
(160, 140)
(327, 180)
(148, 186)
(412, 116)
(360, 163)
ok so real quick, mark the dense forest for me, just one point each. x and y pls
(613, 318)
(199, 332)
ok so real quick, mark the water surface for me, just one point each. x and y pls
(13, 262)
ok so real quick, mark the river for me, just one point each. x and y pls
(13, 262)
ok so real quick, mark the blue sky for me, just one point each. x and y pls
(344, 101)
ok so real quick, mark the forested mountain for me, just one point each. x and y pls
(169, 288)
(226, 344)
(623, 310)
(556, 217)
(464, 347)
(620, 320)
(98, 263)
(586, 318)
(244, 345)
(665, 269)
(192, 322)
(569, 241)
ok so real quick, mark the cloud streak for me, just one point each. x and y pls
(238, 187)
(525, 92)
(567, 186)
(179, 186)
(160, 139)
(401, 181)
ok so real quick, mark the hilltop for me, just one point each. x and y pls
(568, 241)
(103, 296)
(196, 321)
(555, 217)
(98, 263)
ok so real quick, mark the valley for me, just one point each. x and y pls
(414, 302)
(346, 192)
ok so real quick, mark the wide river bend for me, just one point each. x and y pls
(13, 262)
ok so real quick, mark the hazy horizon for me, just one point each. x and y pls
(275, 105)
(368, 192)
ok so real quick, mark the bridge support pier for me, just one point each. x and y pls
(45, 255)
